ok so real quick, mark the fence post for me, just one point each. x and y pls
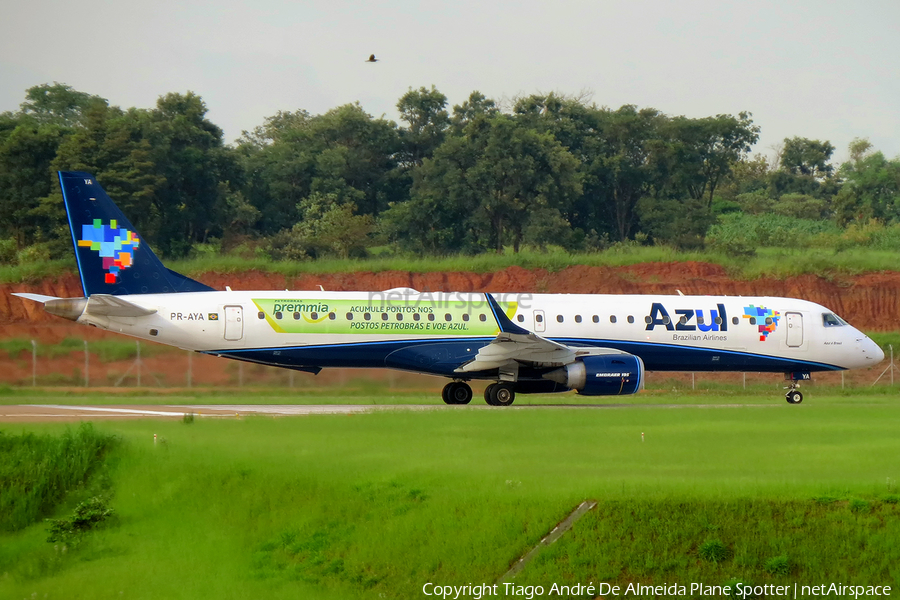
(87, 365)
(190, 369)
(33, 363)
(138, 363)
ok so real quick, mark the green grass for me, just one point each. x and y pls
(376, 505)
(37, 471)
(768, 262)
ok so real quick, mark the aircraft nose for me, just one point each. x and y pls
(872, 351)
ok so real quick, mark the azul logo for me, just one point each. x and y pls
(116, 246)
(688, 319)
(766, 318)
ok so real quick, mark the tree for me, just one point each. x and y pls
(424, 112)
(190, 158)
(495, 178)
(704, 151)
(58, 104)
(807, 158)
(871, 187)
(344, 152)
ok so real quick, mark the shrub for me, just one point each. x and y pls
(714, 551)
(778, 565)
(86, 516)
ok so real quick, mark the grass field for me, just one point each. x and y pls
(768, 262)
(377, 505)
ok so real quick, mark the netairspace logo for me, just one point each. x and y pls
(676, 590)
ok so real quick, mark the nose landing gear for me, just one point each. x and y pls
(793, 395)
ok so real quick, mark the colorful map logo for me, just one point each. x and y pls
(766, 319)
(116, 246)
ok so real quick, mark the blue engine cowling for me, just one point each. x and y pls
(605, 375)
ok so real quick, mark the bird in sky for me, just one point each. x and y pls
(372, 58)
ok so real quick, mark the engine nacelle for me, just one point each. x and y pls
(604, 375)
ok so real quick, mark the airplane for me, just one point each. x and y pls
(598, 345)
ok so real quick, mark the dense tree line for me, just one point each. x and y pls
(549, 170)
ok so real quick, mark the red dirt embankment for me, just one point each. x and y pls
(870, 302)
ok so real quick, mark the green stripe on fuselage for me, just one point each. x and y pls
(398, 317)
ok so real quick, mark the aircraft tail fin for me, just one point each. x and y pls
(112, 257)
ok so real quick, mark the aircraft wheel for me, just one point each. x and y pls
(503, 394)
(487, 394)
(794, 397)
(458, 392)
(445, 393)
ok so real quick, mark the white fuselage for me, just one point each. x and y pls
(322, 329)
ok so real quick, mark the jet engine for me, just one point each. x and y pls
(604, 375)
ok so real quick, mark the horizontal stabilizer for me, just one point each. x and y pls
(35, 297)
(115, 306)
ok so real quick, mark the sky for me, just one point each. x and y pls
(820, 69)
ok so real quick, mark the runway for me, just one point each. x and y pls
(22, 413)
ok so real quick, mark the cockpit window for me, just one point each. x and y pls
(832, 320)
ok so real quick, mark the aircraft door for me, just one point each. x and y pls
(234, 323)
(540, 322)
(794, 329)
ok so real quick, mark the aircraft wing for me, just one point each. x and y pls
(515, 346)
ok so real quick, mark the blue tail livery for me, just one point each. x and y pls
(112, 257)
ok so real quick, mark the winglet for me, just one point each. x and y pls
(506, 326)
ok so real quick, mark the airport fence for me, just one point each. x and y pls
(134, 364)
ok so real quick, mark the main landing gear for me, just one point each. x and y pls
(500, 394)
(496, 394)
(457, 392)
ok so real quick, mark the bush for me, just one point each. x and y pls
(86, 516)
(778, 565)
(714, 551)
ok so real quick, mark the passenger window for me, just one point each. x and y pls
(718, 320)
(630, 319)
(578, 318)
(768, 320)
(349, 316)
(399, 317)
(682, 320)
(612, 319)
(278, 314)
(312, 316)
(447, 317)
(367, 317)
(700, 320)
(559, 318)
(431, 316)
(734, 320)
(753, 320)
(519, 318)
(596, 319)
(297, 316)
(261, 315)
(666, 320)
(482, 318)
(648, 320)
(416, 316)
(466, 317)
(384, 316)
(332, 316)
(539, 318)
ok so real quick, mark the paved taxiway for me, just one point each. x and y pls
(20, 413)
